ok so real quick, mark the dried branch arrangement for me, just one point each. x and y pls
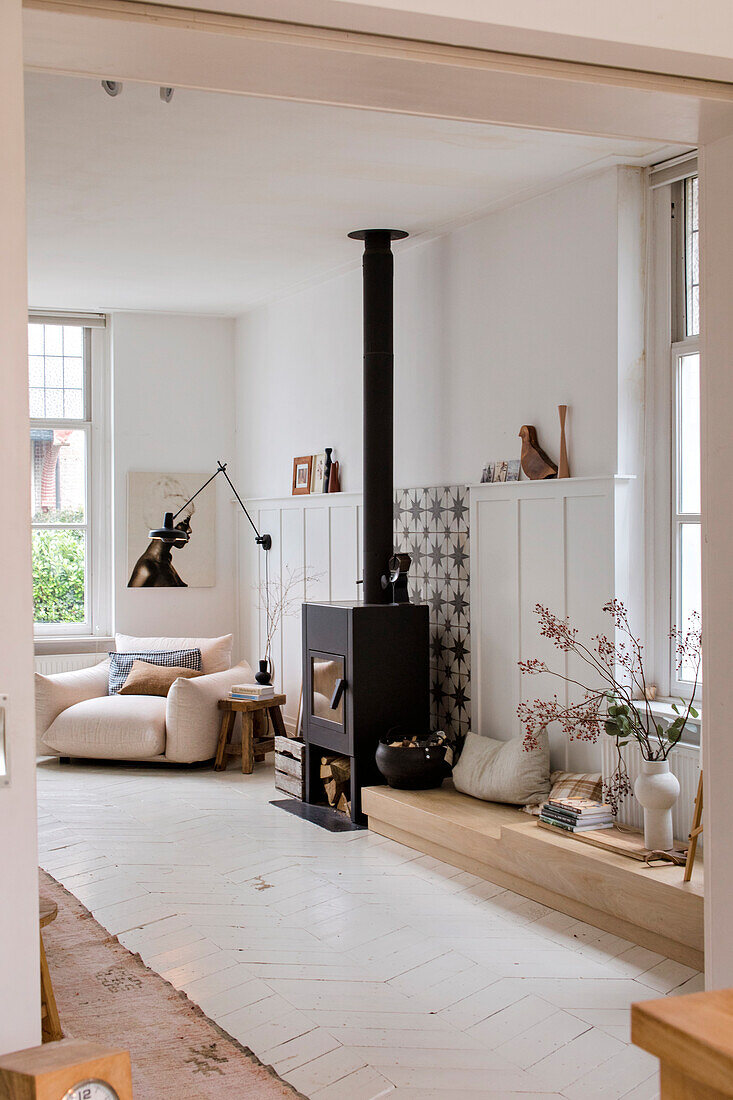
(280, 597)
(618, 704)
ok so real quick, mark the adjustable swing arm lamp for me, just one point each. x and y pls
(171, 534)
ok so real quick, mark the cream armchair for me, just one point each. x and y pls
(76, 717)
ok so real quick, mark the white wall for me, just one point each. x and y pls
(173, 411)
(495, 325)
(716, 385)
(20, 1023)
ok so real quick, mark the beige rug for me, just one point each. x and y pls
(106, 993)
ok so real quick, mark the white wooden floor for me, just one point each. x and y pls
(355, 966)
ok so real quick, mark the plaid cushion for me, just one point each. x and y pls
(120, 664)
(576, 785)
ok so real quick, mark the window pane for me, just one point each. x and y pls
(692, 258)
(73, 340)
(59, 576)
(55, 367)
(54, 404)
(35, 339)
(36, 374)
(73, 373)
(73, 405)
(690, 580)
(58, 460)
(689, 433)
(36, 403)
(53, 336)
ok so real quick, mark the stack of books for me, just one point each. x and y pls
(252, 691)
(576, 815)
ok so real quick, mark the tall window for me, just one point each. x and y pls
(62, 442)
(685, 365)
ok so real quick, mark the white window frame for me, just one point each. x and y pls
(98, 610)
(666, 343)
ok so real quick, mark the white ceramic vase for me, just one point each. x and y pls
(657, 790)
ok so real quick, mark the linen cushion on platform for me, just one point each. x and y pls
(130, 727)
(147, 679)
(576, 785)
(216, 653)
(503, 771)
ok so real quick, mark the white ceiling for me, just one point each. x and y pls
(215, 202)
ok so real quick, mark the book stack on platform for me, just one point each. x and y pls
(576, 815)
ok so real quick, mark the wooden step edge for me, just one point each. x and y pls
(379, 798)
(666, 879)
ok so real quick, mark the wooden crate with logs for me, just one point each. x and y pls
(336, 778)
(289, 760)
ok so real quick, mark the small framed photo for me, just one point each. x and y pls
(318, 474)
(505, 470)
(302, 470)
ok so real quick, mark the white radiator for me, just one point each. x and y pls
(684, 761)
(66, 662)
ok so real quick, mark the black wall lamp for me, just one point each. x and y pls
(171, 534)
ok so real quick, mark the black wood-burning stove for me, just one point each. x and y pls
(366, 665)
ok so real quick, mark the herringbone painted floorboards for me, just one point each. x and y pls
(355, 966)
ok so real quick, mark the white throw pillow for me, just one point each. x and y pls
(216, 653)
(503, 771)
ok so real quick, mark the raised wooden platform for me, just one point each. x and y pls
(650, 906)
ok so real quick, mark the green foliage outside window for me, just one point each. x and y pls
(58, 576)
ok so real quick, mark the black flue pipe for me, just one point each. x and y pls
(378, 276)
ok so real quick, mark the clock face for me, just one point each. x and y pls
(92, 1089)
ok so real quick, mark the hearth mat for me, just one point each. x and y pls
(324, 816)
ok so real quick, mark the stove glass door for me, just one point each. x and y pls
(327, 684)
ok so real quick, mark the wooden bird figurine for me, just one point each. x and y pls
(535, 462)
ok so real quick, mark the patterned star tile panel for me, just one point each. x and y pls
(432, 526)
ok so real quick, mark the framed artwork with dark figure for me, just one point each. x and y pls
(302, 470)
(188, 562)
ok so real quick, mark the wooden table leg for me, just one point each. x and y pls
(277, 721)
(248, 754)
(227, 725)
(50, 1022)
(259, 718)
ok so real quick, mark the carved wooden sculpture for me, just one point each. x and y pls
(535, 462)
(564, 470)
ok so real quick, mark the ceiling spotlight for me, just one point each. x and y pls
(166, 94)
(112, 87)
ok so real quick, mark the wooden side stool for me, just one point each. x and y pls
(255, 742)
(50, 1022)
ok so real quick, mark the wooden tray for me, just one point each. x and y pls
(623, 842)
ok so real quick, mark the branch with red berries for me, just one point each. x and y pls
(616, 703)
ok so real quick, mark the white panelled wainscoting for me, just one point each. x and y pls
(556, 543)
(319, 538)
(316, 537)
